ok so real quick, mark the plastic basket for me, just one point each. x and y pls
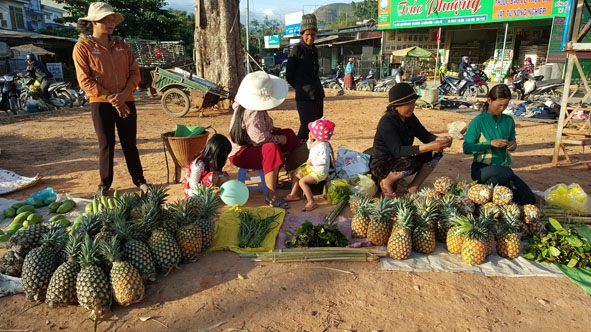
(184, 149)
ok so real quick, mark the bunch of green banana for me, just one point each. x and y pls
(101, 203)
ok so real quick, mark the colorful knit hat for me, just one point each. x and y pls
(321, 129)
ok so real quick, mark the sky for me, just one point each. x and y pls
(260, 8)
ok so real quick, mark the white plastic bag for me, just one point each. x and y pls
(364, 184)
(571, 197)
(457, 129)
(350, 163)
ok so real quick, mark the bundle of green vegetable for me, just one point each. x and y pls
(320, 235)
(253, 229)
(560, 245)
(338, 190)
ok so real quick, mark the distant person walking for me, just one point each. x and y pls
(302, 74)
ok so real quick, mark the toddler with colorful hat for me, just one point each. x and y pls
(315, 169)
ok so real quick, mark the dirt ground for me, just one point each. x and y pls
(226, 292)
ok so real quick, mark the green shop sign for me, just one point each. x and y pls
(401, 14)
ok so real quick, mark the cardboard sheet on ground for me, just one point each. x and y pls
(442, 261)
(11, 182)
(227, 227)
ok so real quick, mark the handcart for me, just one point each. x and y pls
(181, 89)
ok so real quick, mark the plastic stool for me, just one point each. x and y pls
(242, 177)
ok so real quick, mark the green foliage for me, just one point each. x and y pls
(320, 235)
(365, 9)
(257, 32)
(67, 32)
(560, 245)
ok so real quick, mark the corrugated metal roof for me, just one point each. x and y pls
(20, 34)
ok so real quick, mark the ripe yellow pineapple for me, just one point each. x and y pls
(442, 184)
(380, 224)
(448, 211)
(460, 224)
(531, 213)
(354, 201)
(423, 236)
(479, 193)
(400, 241)
(502, 195)
(508, 242)
(474, 247)
(361, 217)
(126, 282)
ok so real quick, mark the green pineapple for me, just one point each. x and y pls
(41, 262)
(380, 224)
(165, 250)
(27, 238)
(62, 286)
(400, 241)
(423, 236)
(135, 251)
(92, 283)
(208, 201)
(361, 216)
(126, 282)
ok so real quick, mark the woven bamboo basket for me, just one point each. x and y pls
(183, 149)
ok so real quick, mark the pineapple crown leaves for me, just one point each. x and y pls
(89, 251)
(126, 203)
(459, 187)
(405, 216)
(384, 209)
(462, 223)
(55, 237)
(110, 249)
(208, 200)
(509, 221)
(428, 210)
(156, 195)
(184, 212)
(365, 206)
(480, 229)
(91, 225)
(73, 246)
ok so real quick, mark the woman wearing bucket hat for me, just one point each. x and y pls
(302, 74)
(394, 156)
(256, 142)
(315, 169)
(107, 71)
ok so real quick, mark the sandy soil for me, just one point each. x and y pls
(236, 294)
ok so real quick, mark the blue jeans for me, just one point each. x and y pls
(504, 176)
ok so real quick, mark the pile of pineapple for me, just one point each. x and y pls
(115, 252)
(468, 218)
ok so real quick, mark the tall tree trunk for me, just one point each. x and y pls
(218, 48)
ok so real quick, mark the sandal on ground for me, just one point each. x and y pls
(290, 198)
(309, 207)
(277, 202)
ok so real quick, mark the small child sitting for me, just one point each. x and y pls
(316, 167)
(208, 164)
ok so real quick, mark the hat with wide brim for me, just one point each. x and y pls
(99, 10)
(401, 94)
(260, 91)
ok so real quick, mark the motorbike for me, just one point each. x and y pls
(333, 81)
(9, 96)
(417, 81)
(461, 87)
(528, 87)
(367, 83)
(60, 93)
(81, 97)
(384, 84)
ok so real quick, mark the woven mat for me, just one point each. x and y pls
(11, 182)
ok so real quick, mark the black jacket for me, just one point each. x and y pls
(38, 70)
(302, 72)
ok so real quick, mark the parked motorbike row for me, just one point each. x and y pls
(473, 84)
(532, 88)
(368, 83)
(22, 93)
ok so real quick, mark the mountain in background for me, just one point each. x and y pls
(328, 14)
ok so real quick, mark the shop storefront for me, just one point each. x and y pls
(497, 35)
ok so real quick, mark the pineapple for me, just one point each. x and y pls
(531, 213)
(354, 201)
(27, 238)
(423, 236)
(429, 192)
(361, 217)
(508, 242)
(127, 285)
(62, 286)
(188, 235)
(448, 211)
(41, 262)
(165, 250)
(208, 202)
(502, 195)
(479, 193)
(459, 225)
(92, 283)
(442, 185)
(135, 251)
(380, 224)
(400, 241)
(474, 247)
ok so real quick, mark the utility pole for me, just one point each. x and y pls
(247, 46)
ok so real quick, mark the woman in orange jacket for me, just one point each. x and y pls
(107, 71)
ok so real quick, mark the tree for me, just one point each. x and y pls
(257, 33)
(365, 9)
(218, 49)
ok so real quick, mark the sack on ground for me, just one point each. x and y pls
(571, 197)
(350, 163)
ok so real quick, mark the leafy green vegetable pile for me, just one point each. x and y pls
(560, 245)
(320, 235)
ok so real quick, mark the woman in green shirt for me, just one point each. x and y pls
(490, 137)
